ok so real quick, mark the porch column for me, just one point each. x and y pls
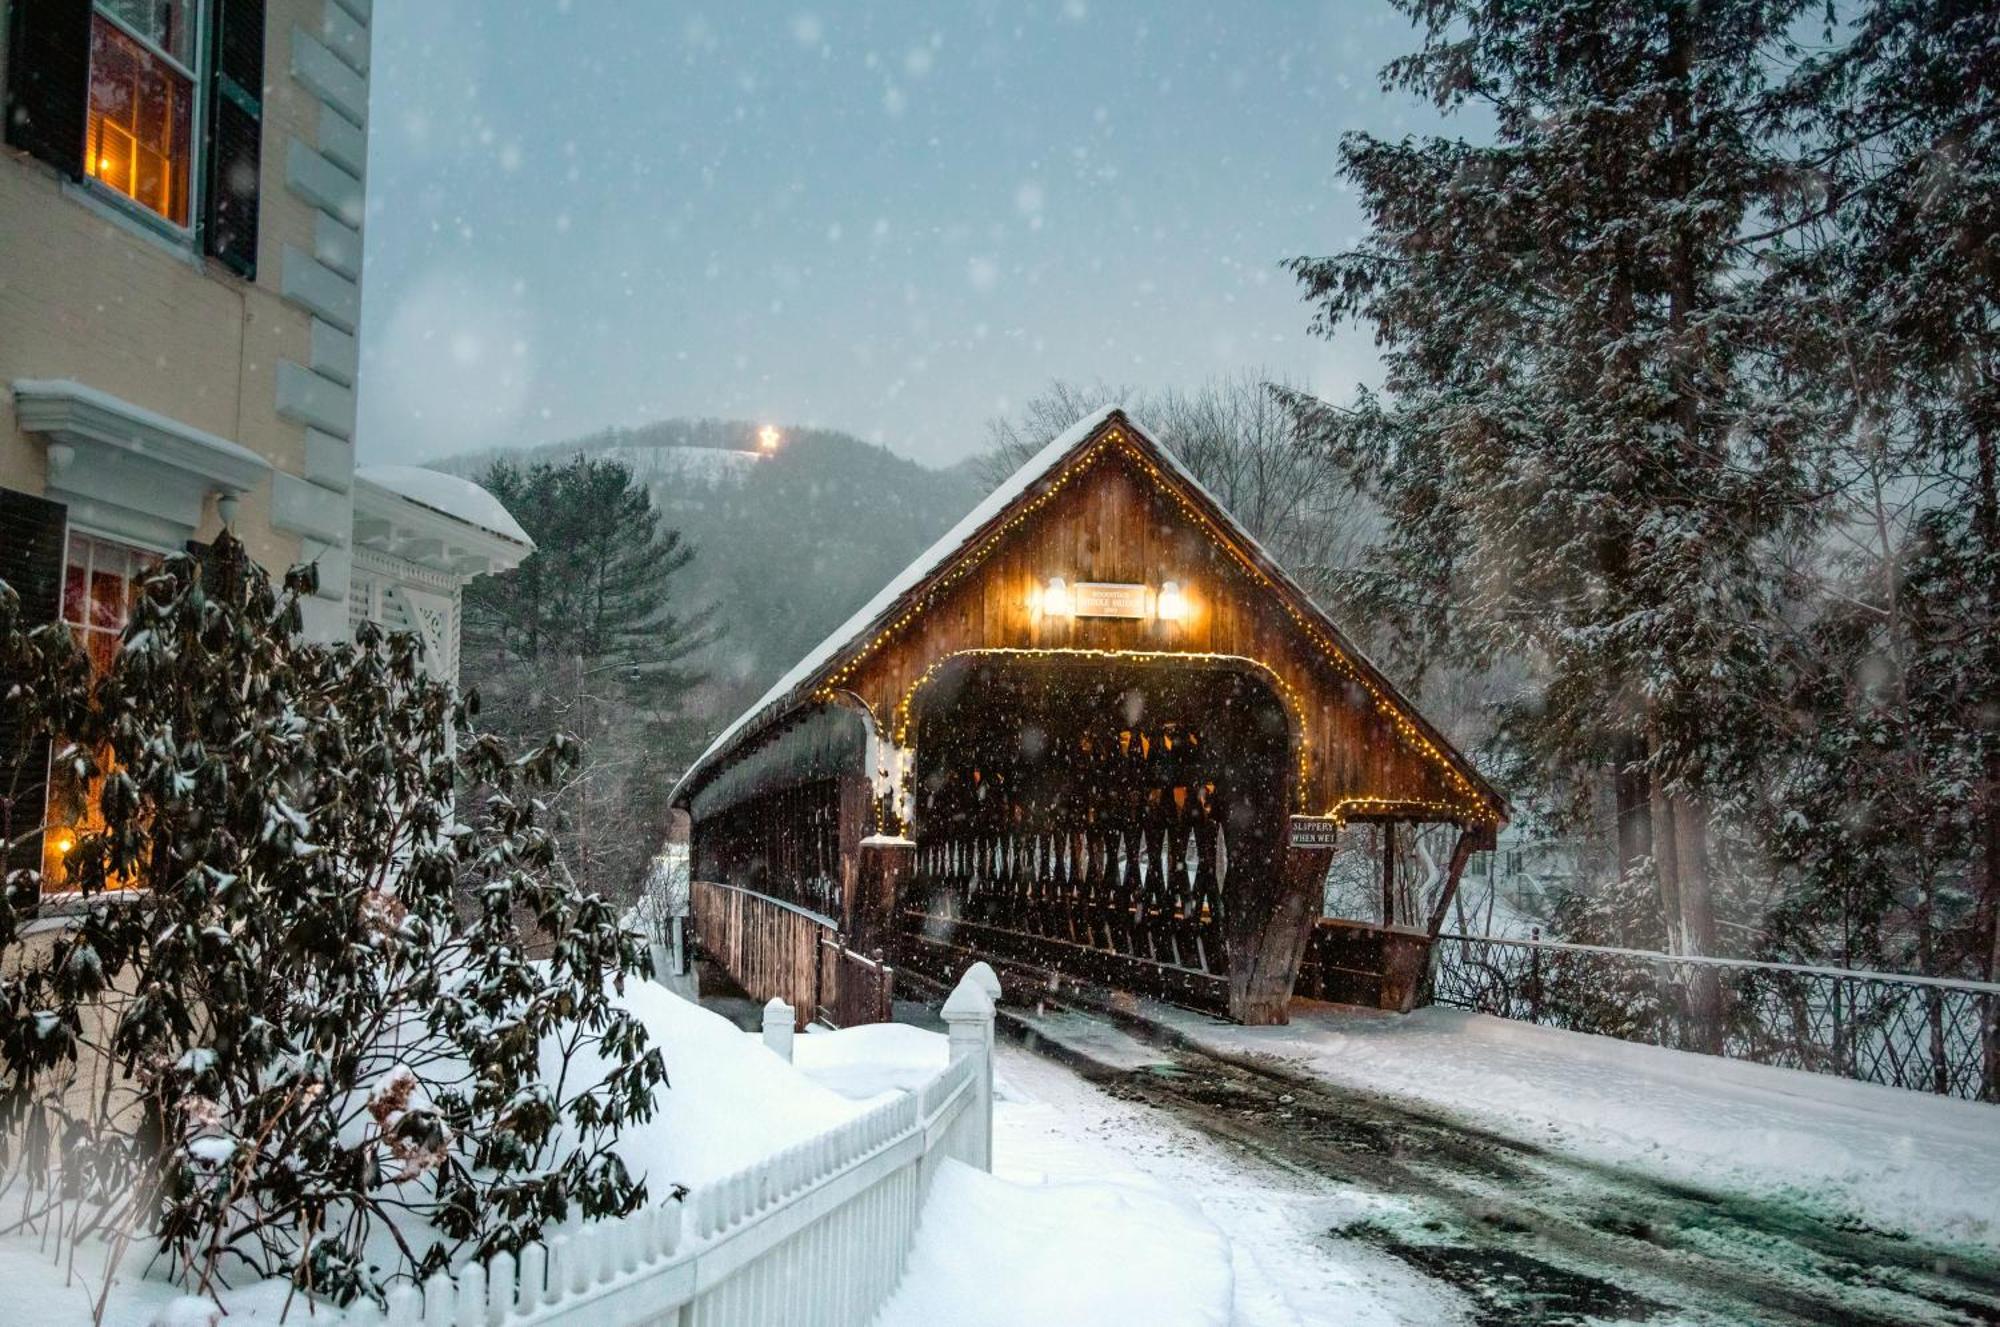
(1268, 930)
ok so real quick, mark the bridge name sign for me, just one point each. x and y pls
(1110, 599)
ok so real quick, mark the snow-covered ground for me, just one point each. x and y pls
(1062, 1231)
(729, 1103)
(1897, 1160)
(1102, 1211)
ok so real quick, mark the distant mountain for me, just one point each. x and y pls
(787, 545)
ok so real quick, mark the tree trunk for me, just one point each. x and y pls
(1986, 924)
(1698, 922)
(1632, 787)
(1666, 867)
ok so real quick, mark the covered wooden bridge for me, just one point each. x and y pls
(1094, 730)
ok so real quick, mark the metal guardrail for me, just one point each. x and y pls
(1928, 1034)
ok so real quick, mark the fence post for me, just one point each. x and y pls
(778, 1018)
(968, 1014)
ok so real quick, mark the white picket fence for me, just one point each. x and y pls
(816, 1234)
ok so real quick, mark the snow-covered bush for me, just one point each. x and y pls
(292, 1027)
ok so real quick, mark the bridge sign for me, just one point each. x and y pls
(1108, 599)
(1315, 832)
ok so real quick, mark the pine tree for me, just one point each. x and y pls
(1590, 435)
(584, 634)
(270, 1036)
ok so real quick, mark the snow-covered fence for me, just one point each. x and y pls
(1928, 1034)
(815, 1235)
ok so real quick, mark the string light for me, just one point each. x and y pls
(1475, 808)
(904, 711)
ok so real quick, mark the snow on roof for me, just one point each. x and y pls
(1037, 468)
(460, 499)
(929, 561)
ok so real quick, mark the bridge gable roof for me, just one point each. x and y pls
(989, 522)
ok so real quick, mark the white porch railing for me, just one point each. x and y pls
(816, 1234)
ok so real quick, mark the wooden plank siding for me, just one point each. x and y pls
(768, 947)
(1113, 523)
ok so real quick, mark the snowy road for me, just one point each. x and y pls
(1348, 1206)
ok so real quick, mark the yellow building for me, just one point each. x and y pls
(181, 194)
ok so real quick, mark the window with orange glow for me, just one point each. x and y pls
(141, 127)
(101, 582)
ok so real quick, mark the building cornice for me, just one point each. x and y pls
(87, 419)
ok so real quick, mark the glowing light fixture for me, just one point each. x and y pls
(1057, 600)
(64, 842)
(768, 438)
(1172, 605)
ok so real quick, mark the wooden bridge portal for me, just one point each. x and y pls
(1094, 731)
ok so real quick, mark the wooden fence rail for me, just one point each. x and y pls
(815, 1235)
(775, 949)
(768, 946)
(853, 988)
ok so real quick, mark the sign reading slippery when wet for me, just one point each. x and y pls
(1315, 832)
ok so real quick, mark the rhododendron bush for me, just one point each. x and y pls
(289, 1015)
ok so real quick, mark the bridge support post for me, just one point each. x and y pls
(1268, 937)
(885, 865)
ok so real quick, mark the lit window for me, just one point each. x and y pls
(141, 132)
(100, 585)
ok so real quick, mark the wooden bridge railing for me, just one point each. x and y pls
(853, 988)
(772, 948)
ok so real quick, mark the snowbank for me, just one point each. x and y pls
(866, 1061)
(729, 1102)
(36, 1293)
(1929, 1165)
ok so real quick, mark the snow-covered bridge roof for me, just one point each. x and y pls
(891, 604)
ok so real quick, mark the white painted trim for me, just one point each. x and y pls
(307, 282)
(335, 353)
(81, 415)
(304, 507)
(337, 244)
(319, 181)
(329, 77)
(309, 398)
(346, 36)
(401, 528)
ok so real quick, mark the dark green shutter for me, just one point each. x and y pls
(31, 562)
(48, 80)
(235, 134)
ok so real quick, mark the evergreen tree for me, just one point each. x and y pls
(584, 635)
(1886, 805)
(1592, 434)
(269, 1035)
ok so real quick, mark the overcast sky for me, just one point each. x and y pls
(895, 219)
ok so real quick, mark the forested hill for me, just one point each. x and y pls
(787, 546)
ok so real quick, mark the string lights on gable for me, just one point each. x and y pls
(1470, 807)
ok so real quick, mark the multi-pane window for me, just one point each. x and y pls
(140, 139)
(100, 585)
(101, 581)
